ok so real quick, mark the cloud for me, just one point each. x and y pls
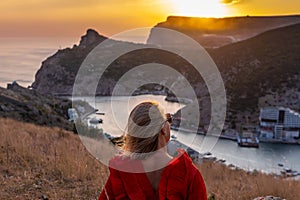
(230, 1)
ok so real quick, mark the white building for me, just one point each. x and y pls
(279, 123)
(72, 113)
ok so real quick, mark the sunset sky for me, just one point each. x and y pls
(72, 18)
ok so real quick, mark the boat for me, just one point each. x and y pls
(248, 137)
(108, 136)
(173, 137)
(209, 158)
(221, 160)
(288, 172)
(247, 142)
(95, 121)
(280, 164)
(192, 153)
(207, 153)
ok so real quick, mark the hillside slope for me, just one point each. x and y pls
(262, 71)
(58, 72)
(29, 105)
(39, 162)
(217, 32)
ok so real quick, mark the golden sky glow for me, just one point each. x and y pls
(73, 17)
(202, 8)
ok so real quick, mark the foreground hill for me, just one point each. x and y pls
(28, 105)
(50, 163)
(46, 163)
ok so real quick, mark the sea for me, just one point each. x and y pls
(20, 59)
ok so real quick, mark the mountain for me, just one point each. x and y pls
(217, 32)
(57, 73)
(262, 71)
(259, 71)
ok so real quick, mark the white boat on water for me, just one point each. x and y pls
(247, 141)
(209, 158)
(280, 164)
(95, 121)
(173, 137)
(288, 172)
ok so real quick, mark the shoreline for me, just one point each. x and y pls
(234, 138)
(185, 101)
(199, 158)
(182, 100)
(232, 164)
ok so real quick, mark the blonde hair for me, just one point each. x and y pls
(144, 125)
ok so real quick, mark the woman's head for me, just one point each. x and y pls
(146, 124)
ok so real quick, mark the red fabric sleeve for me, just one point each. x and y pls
(114, 188)
(197, 189)
(106, 192)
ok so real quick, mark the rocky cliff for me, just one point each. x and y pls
(57, 73)
(260, 71)
(217, 32)
(28, 105)
(263, 71)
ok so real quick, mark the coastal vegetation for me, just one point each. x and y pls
(27, 105)
(259, 64)
(42, 157)
(41, 162)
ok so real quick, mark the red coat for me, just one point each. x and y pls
(179, 180)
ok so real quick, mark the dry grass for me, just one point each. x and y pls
(226, 183)
(37, 160)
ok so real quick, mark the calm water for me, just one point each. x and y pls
(265, 158)
(20, 58)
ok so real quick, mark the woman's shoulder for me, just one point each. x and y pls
(182, 158)
(181, 178)
(181, 163)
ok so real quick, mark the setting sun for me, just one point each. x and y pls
(200, 8)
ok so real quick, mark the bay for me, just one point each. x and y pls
(20, 58)
(265, 158)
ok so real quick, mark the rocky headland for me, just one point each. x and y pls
(260, 68)
(57, 73)
(217, 32)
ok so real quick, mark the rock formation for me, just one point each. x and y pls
(260, 71)
(28, 105)
(217, 32)
(57, 73)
